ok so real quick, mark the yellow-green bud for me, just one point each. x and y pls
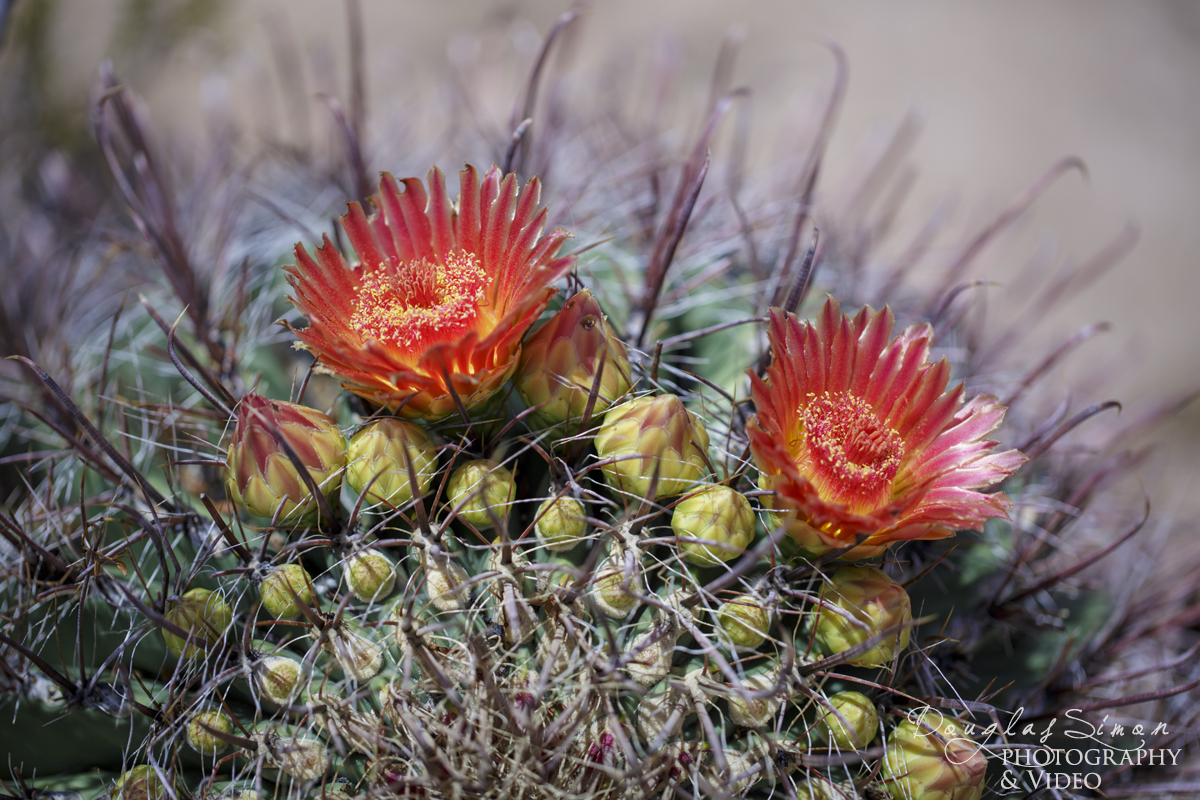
(615, 589)
(756, 712)
(204, 741)
(745, 621)
(865, 603)
(484, 489)
(922, 765)
(715, 514)
(278, 678)
(560, 526)
(444, 582)
(140, 783)
(277, 600)
(560, 360)
(202, 613)
(855, 722)
(375, 457)
(261, 478)
(370, 575)
(648, 434)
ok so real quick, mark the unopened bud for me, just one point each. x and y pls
(560, 523)
(259, 475)
(757, 712)
(375, 458)
(864, 603)
(648, 435)
(278, 678)
(618, 583)
(931, 758)
(853, 722)
(301, 758)
(203, 614)
(359, 657)
(140, 783)
(717, 516)
(277, 600)
(744, 620)
(202, 739)
(444, 581)
(560, 361)
(484, 489)
(370, 575)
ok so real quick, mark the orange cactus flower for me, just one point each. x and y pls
(862, 443)
(441, 296)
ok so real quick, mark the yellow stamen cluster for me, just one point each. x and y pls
(417, 303)
(853, 455)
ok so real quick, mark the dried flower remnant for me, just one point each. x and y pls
(861, 442)
(442, 294)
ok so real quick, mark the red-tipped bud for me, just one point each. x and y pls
(261, 478)
(559, 364)
(652, 434)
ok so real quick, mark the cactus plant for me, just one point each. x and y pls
(617, 579)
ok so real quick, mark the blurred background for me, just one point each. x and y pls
(993, 94)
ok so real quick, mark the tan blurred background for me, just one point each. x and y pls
(1003, 89)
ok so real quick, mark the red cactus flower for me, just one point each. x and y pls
(441, 296)
(861, 441)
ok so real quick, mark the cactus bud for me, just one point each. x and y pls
(559, 363)
(261, 478)
(648, 434)
(204, 741)
(744, 621)
(302, 759)
(204, 614)
(444, 578)
(756, 712)
(932, 759)
(718, 514)
(853, 722)
(140, 783)
(276, 598)
(359, 657)
(485, 489)
(865, 603)
(278, 678)
(560, 524)
(375, 457)
(370, 575)
(617, 585)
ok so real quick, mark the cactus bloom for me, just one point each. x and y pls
(441, 296)
(715, 514)
(648, 434)
(375, 457)
(560, 361)
(860, 439)
(261, 478)
(202, 613)
(865, 602)
(931, 758)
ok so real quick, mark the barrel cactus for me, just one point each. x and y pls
(499, 515)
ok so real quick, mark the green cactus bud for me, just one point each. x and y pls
(931, 758)
(204, 614)
(444, 578)
(560, 360)
(278, 678)
(648, 434)
(359, 657)
(852, 723)
(756, 712)
(261, 478)
(204, 741)
(276, 598)
(485, 489)
(375, 457)
(301, 758)
(560, 523)
(370, 575)
(140, 783)
(869, 603)
(718, 514)
(744, 621)
(617, 582)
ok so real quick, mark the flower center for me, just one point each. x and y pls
(852, 454)
(416, 303)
